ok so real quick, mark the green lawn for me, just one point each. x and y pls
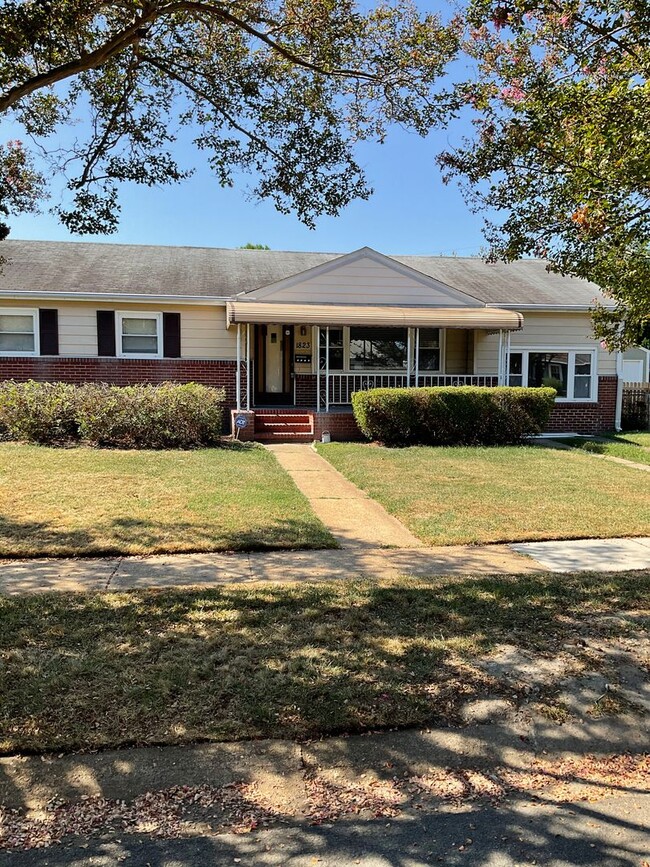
(616, 446)
(452, 496)
(641, 438)
(56, 502)
(82, 671)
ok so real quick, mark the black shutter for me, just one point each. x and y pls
(105, 332)
(48, 327)
(172, 335)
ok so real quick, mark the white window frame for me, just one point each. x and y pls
(525, 351)
(346, 354)
(23, 311)
(138, 314)
(443, 352)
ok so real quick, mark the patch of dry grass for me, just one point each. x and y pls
(80, 671)
(450, 496)
(83, 501)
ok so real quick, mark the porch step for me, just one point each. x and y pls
(284, 436)
(278, 425)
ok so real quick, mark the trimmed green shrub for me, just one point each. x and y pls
(139, 416)
(464, 415)
(166, 416)
(39, 412)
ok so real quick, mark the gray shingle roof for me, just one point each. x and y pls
(66, 266)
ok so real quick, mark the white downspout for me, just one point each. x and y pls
(238, 380)
(619, 391)
(506, 373)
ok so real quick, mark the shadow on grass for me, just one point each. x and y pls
(85, 671)
(99, 670)
(126, 535)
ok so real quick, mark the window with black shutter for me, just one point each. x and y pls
(172, 335)
(48, 327)
(105, 332)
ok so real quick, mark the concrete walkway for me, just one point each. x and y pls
(349, 514)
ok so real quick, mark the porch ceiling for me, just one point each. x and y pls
(492, 318)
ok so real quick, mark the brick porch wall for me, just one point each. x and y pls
(306, 389)
(341, 425)
(587, 418)
(124, 371)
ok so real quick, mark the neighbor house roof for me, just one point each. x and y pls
(44, 267)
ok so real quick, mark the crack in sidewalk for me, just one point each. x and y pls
(113, 572)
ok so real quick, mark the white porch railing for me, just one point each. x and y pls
(341, 386)
(428, 380)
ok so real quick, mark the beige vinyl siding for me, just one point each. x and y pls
(543, 330)
(203, 329)
(457, 357)
(363, 282)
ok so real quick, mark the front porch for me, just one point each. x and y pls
(318, 368)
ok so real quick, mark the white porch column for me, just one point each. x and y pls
(327, 368)
(500, 368)
(506, 373)
(408, 356)
(317, 355)
(238, 379)
(248, 366)
(417, 356)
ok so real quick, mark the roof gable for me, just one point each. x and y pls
(363, 277)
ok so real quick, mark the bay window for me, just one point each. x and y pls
(570, 372)
(18, 332)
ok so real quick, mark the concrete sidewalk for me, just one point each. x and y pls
(184, 570)
(281, 567)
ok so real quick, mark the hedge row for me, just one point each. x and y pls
(131, 417)
(463, 415)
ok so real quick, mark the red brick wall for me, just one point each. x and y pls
(577, 417)
(587, 418)
(341, 426)
(124, 371)
(306, 389)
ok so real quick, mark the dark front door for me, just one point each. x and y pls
(273, 367)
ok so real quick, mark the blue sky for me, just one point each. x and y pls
(411, 211)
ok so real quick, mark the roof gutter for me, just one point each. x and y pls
(117, 297)
(550, 308)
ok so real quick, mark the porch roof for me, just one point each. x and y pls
(491, 318)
